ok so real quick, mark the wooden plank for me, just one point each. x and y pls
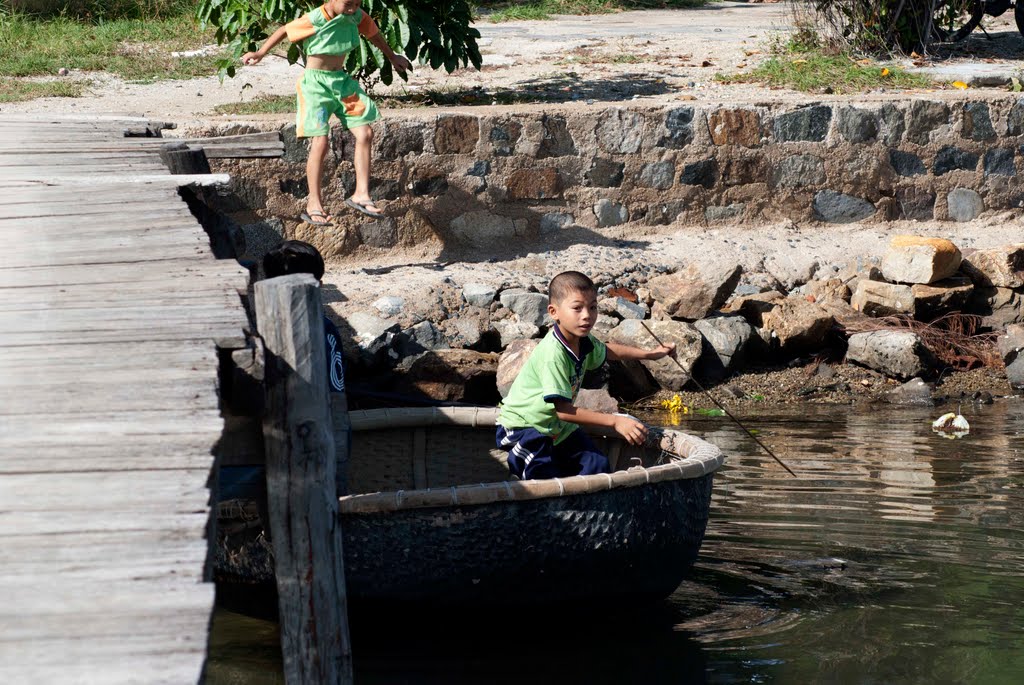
(30, 169)
(42, 216)
(54, 243)
(100, 453)
(104, 177)
(106, 448)
(220, 273)
(84, 556)
(54, 522)
(193, 320)
(302, 499)
(98, 193)
(227, 335)
(74, 158)
(121, 392)
(165, 493)
(94, 256)
(260, 138)
(52, 298)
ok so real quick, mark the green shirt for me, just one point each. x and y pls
(552, 372)
(322, 34)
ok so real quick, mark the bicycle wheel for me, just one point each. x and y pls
(955, 19)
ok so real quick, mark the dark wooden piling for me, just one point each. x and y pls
(182, 158)
(301, 472)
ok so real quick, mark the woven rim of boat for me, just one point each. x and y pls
(689, 457)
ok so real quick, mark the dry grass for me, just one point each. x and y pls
(952, 338)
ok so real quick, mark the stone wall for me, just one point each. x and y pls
(479, 180)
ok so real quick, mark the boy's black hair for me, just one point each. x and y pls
(293, 257)
(568, 282)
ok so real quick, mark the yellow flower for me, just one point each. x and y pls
(675, 407)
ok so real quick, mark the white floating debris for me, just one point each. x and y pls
(951, 426)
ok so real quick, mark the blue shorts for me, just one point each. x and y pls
(531, 454)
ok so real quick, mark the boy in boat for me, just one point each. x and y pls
(538, 423)
(328, 34)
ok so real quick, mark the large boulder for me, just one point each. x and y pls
(511, 363)
(1001, 267)
(372, 335)
(754, 307)
(998, 307)
(693, 292)
(479, 294)
(529, 307)
(1011, 347)
(665, 371)
(596, 399)
(878, 298)
(948, 295)
(797, 325)
(512, 329)
(917, 259)
(420, 338)
(451, 376)
(914, 391)
(725, 343)
(899, 354)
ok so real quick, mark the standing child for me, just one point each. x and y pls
(538, 424)
(328, 34)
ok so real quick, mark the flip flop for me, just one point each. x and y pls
(309, 218)
(359, 207)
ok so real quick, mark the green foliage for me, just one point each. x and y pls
(884, 26)
(434, 33)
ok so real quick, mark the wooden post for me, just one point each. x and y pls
(301, 495)
(183, 159)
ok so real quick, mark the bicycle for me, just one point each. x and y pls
(954, 20)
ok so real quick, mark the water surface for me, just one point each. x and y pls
(897, 556)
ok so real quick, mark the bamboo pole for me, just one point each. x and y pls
(301, 489)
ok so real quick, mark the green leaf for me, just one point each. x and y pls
(709, 412)
(387, 74)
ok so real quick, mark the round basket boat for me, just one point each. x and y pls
(435, 518)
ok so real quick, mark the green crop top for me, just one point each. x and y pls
(326, 35)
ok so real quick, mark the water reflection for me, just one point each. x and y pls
(895, 556)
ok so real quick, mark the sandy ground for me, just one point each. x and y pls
(656, 56)
(670, 44)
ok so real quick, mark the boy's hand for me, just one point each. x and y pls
(633, 431)
(401, 63)
(251, 58)
(668, 350)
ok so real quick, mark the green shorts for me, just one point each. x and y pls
(323, 93)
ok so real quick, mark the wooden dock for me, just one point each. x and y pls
(112, 311)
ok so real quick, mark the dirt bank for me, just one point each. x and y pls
(817, 382)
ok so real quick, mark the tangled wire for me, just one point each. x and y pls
(953, 338)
